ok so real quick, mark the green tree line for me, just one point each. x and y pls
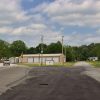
(16, 48)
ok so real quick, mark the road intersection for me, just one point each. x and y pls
(51, 83)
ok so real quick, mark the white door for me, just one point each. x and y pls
(30, 60)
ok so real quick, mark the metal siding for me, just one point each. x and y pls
(30, 60)
(48, 58)
(36, 60)
(44, 59)
(49, 62)
(56, 59)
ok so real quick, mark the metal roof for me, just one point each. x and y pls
(45, 55)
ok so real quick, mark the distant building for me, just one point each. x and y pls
(44, 58)
(14, 60)
(93, 58)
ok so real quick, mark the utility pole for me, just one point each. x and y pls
(65, 53)
(62, 44)
(62, 50)
(21, 57)
(41, 50)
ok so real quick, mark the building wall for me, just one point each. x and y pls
(93, 58)
(23, 60)
(14, 60)
(30, 59)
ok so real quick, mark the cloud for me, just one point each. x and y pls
(67, 12)
(82, 39)
(10, 12)
(98, 31)
(44, 19)
(25, 30)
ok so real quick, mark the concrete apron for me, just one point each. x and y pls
(12, 76)
(90, 70)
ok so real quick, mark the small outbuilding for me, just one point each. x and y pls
(93, 58)
(44, 58)
(14, 60)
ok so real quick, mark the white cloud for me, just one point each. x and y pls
(10, 12)
(5, 30)
(81, 39)
(98, 31)
(33, 29)
(67, 12)
(30, 25)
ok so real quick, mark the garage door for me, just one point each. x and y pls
(56, 59)
(30, 60)
(43, 59)
(48, 58)
(36, 60)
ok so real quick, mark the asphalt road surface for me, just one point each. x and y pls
(52, 83)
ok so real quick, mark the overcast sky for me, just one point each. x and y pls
(77, 20)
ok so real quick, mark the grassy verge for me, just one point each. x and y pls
(95, 63)
(29, 64)
(67, 64)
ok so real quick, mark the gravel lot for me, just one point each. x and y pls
(52, 83)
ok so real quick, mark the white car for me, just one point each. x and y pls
(6, 62)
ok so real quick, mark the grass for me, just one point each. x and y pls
(67, 64)
(95, 63)
(29, 64)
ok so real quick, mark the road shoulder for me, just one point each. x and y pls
(12, 76)
(90, 70)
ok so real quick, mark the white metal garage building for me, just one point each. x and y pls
(45, 58)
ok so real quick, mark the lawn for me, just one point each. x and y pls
(95, 63)
(67, 64)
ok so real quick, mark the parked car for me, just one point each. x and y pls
(6, 62)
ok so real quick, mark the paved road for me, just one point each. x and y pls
(11, 76)
(5, 67)
(52, 83)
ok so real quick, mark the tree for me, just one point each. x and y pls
(95, 51)
(17, 47)
(4, 49)
(54, 48)
(72, 53)
(68, 53)
(39, 48)
(84, 52)
(31, 50)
